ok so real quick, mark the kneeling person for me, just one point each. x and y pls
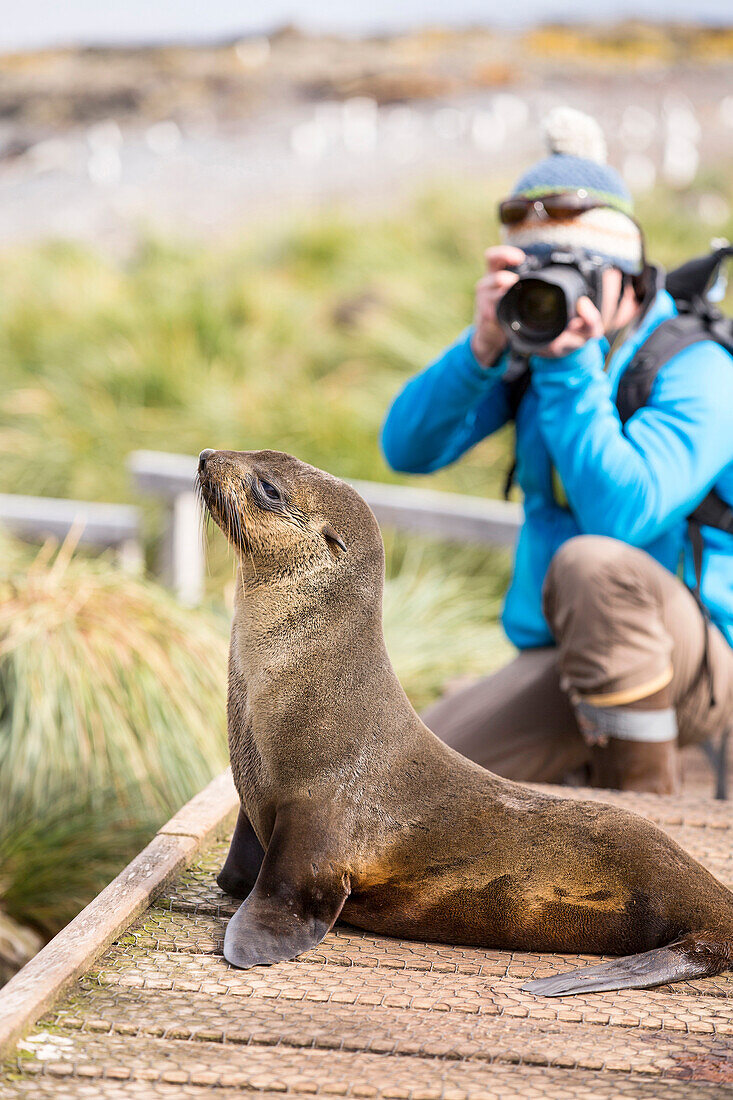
(618, 665)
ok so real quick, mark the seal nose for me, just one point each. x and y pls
(206, 454)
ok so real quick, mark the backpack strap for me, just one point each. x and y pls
(667, 340)
(690, 284)
(698, 548)
(713, 512)
(516, 382)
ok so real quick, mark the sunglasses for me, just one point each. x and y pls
(566, 205)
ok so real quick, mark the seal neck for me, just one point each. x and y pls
(320, 688)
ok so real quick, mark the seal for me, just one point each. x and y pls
(352, 808)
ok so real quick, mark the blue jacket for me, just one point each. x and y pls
(637, 483)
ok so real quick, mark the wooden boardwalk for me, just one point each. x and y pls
(160, 1014)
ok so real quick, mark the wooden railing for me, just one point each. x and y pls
(93, 524)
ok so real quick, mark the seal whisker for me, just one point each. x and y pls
(245, 508)
(204, 532)
(204, 510)
(223, 505)
(238, 530)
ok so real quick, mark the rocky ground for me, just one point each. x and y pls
(95, 143)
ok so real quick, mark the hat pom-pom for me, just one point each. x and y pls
(574, 134)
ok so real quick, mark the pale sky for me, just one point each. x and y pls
(38, 23)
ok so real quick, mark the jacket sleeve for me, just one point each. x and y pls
(634, 484)
(444, 411)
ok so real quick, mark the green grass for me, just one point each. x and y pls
(440, 623)
(295, 338)
(296, 342)
(106, 683)
(111, 716)
(58, 854)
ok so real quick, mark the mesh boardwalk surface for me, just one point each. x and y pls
(160, 1014)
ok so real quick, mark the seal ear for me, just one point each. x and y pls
(297, 898)
(333, 538)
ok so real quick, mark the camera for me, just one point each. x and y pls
(539, 306)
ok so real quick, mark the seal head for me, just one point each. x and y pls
(285, 518)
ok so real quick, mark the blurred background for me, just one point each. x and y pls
(221, 227)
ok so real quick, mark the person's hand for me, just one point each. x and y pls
(586, 325)
(488, 340)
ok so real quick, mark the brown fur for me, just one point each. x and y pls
(420, 841)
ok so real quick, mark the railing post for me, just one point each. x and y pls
(182, 552)
(130, 557)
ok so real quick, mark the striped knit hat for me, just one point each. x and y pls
(577, 161)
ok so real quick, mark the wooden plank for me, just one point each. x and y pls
(588, 1043)
(99, 524)
(208, 813)
(70, 953)
(113, 1066)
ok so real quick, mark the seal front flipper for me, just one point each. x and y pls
(243, 862)
(296, 900)
(692, 957)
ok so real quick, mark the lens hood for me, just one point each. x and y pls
(540, 305)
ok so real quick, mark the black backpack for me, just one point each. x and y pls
(698, 319)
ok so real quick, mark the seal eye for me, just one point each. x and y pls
(270, 491)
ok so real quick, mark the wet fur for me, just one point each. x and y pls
(415, 840)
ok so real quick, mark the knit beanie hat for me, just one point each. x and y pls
(577, 161)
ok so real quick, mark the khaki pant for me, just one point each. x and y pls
(627, 631)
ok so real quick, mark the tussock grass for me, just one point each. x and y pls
(441, 624)
(111, 716)
(57, 854)
(106, 683)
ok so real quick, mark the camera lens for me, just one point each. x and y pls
(540, 309)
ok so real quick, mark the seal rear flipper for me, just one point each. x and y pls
(692, 957)
(243, 862)
(296, 900)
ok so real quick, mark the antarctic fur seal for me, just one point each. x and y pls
(352, 807)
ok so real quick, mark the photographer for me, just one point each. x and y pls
(618, 664)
